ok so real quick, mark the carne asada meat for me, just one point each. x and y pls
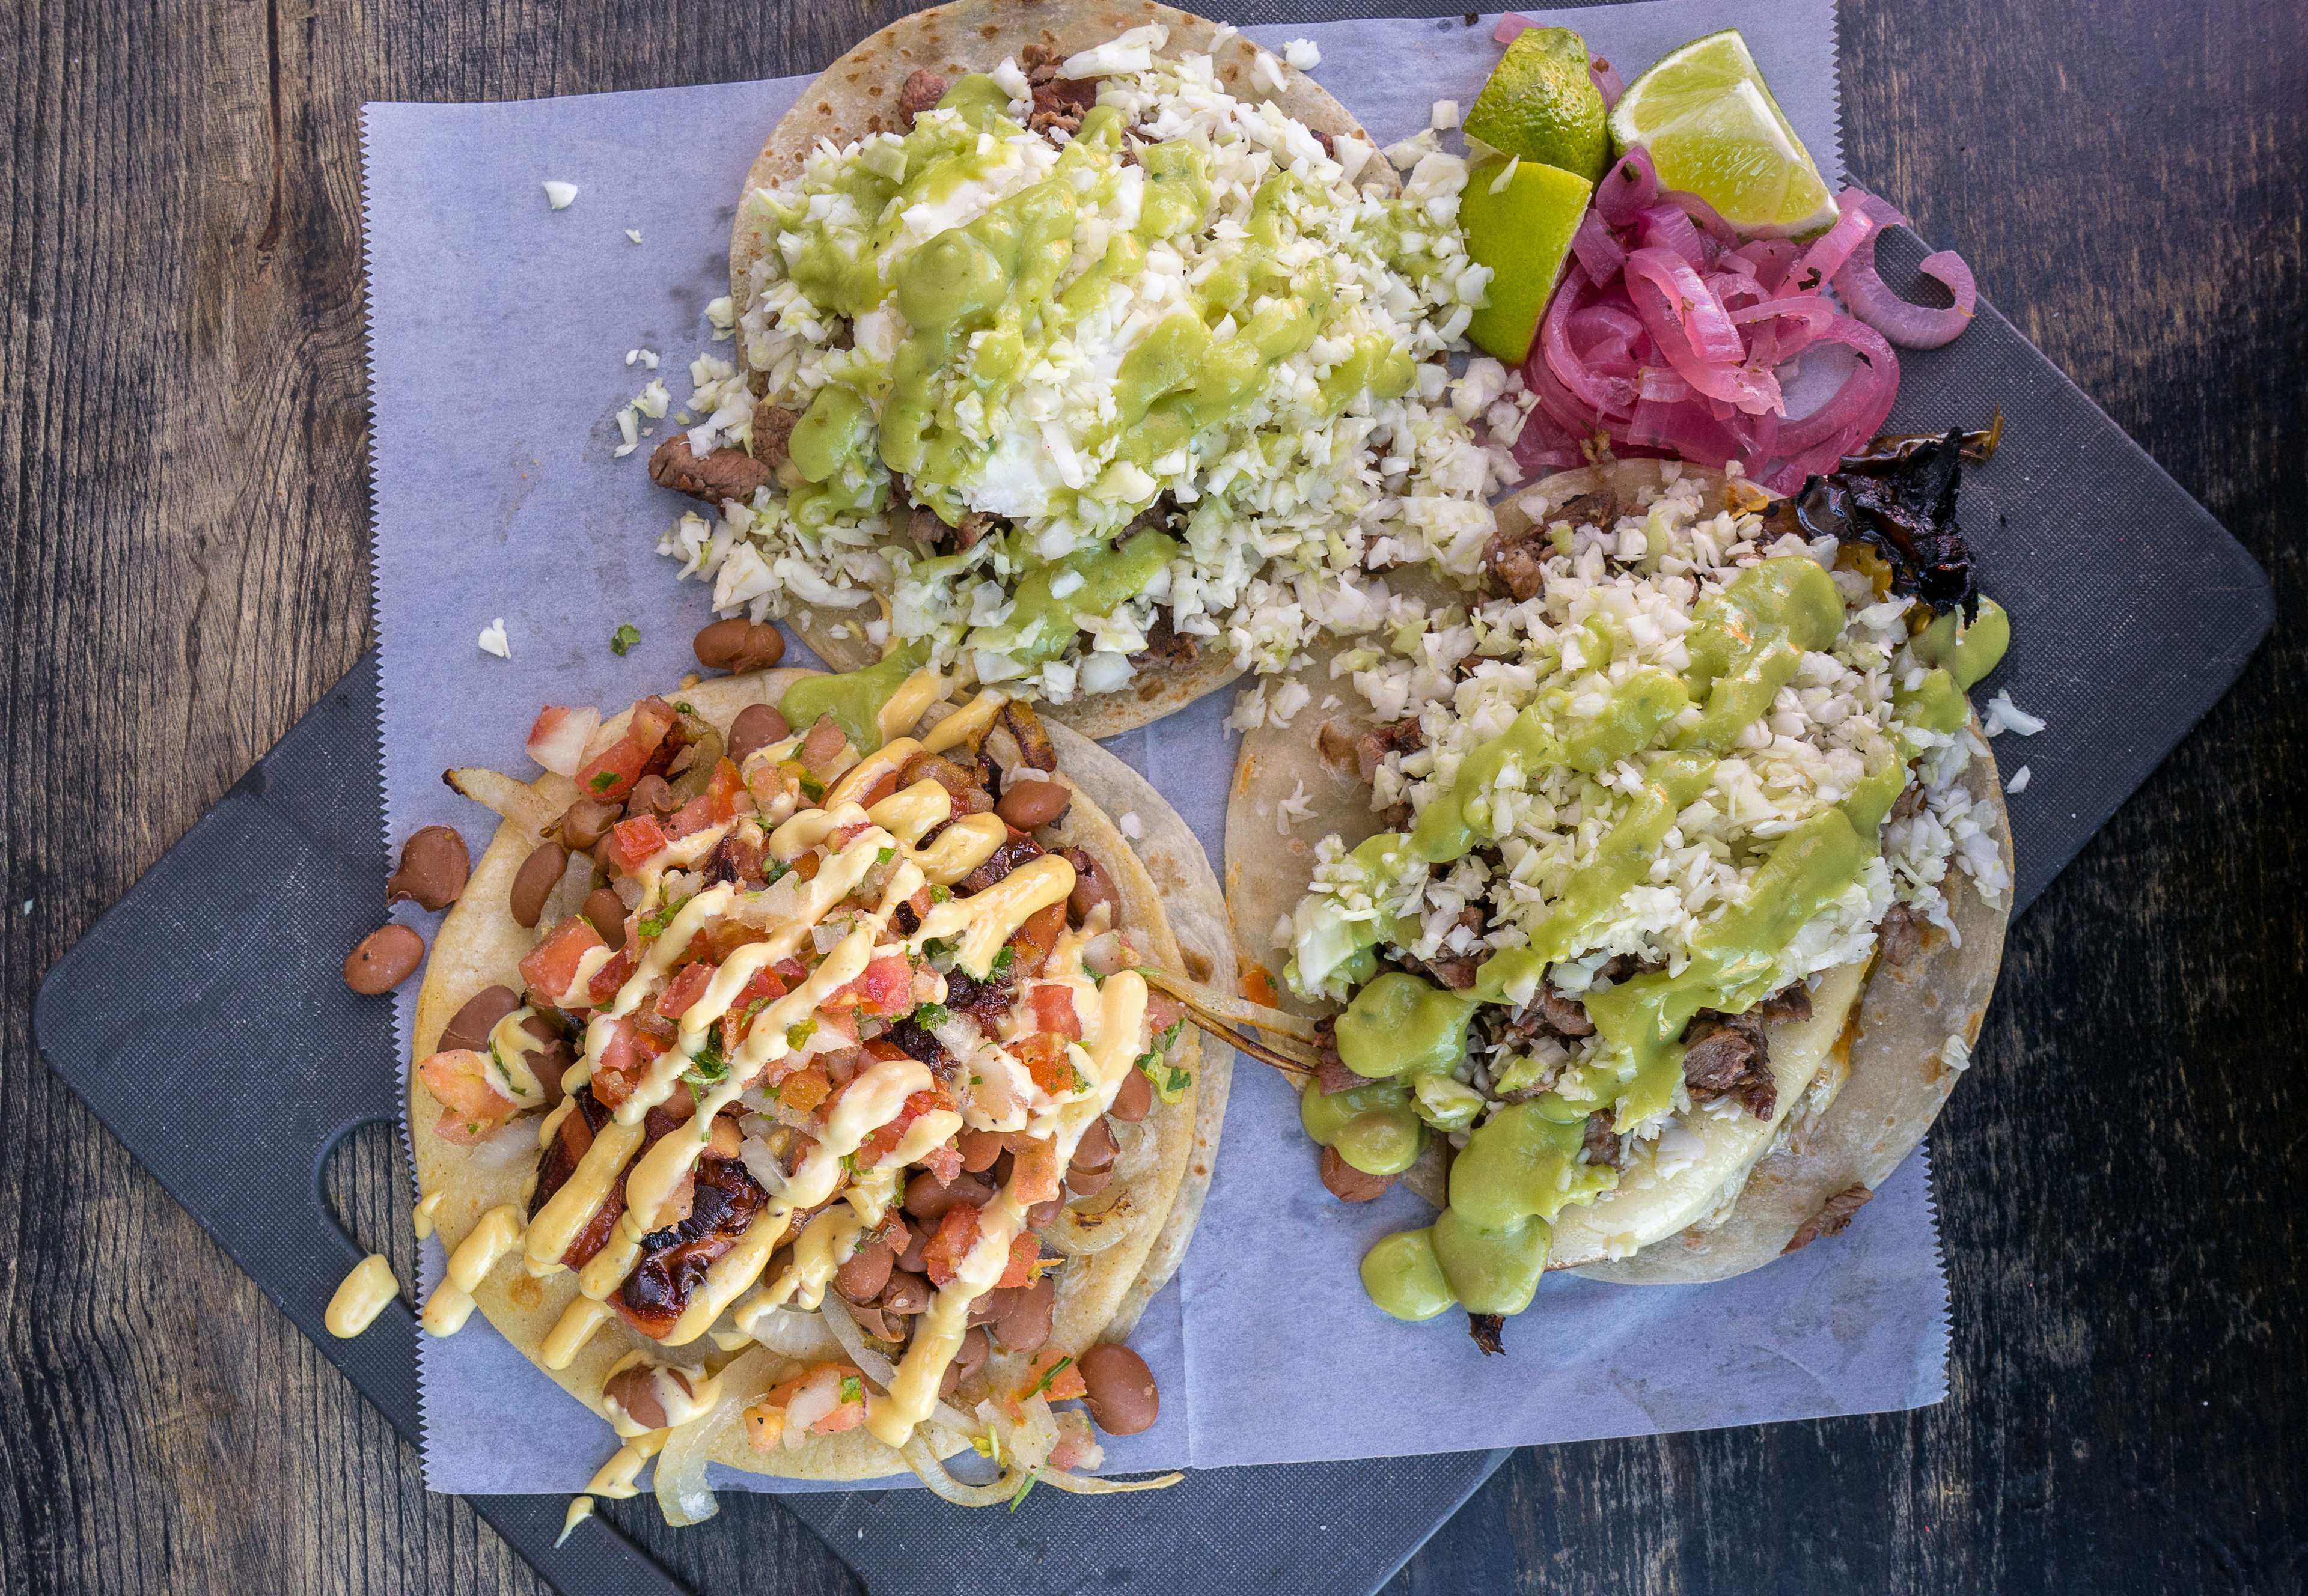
(1725, 1055)
(675, 1259)
(1832, 1219)
(724, 477)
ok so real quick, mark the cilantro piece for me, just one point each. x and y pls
(710, 1066)
(811, 788)
(939, 895)
(624, 637)
(885, 856)
(929, 1017)
(1001, 960)
(1169, 1081)
(801, 1031)
(653, 925)
(852, 1388)
(1082, 1083)
(604, 782)
(1022, 1489)
(1049, 1376)
(775, 873)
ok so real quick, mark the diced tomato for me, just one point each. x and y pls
(805, 1089)
(1258, 986)
(884, 1141)
(1162, 1011)
(886, 986)
(687, 985)
(612, 976)
(632, 843)
(1033, 1173)
(692, 817)
(1054, 1010)
(625, 1058)
(1025, 1253)
(1064, 1385)
(724, 937)
(1036, 938)
(550, 968)
(611, 774)
(843, 835)
(652, 718)
(765, 1426)
(1044, 1054)
(943, 1161)
(792, 970)
(558, 738)
(765, 986)
(957, 1233)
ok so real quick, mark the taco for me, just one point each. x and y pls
(787, 1086)
(1089, 343)
(1652, 904)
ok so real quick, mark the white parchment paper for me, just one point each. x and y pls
(498, 333)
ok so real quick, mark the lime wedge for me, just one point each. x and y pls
(1712, 127)
(1518, 224)
(1541, 103)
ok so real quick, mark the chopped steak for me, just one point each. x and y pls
(1454, 970)
(1789, 1006)
(1518, 560)
(1014, 851)
(962, 785)
(1599, 509)
(987, 1001)
(1033, 738)
(1487, 1329)
(923, 527)
(724, 477)
(1601, 1143)
(1566, 1017)
(1165, 645)
(1910, 800)
(919, 1044)
(1059, 103)
(673, 1261)
(974, 526)
(1370, 749)
(921, 91)
(1333, 1074)
(773, 426)
(1898, 939)
(1831, 1219)
(1724, 1056)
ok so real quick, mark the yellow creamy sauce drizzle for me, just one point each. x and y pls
(421, 1221)
(497, 1233)
(362, 1296)
(616, 1479)
(1111, 1034)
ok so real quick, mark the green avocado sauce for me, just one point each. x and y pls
(855, 698)
(1374, 1128)
(1522, 1166)
(1042, 622)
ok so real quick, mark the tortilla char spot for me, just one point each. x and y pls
(824, 109)
(1198, 964)
(1147, 690)
(526, 1292)
(989, 31)
(873, 91)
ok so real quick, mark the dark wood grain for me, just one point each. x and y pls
(183, 482)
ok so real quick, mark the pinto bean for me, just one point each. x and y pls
(470, 1026)
(980, 1148)
(434, 868)
(587, 821)
(1025, 1323)
(862, 1278)
(539, 873)
(913, 1257)
(993, 1305)
(1030, 805)
(1122, 1398)
(968, 1359)
(757, 727)
(635, 1392)
(1097, 1148)
(877, 1324)
(652, 796)
(1091, 889)
(605, 911)
(1042, 1215)
(737, 644)
(908, 1292)
(1348, 1184)
(1133, 1100)
(1088, 1182)
(384, 960)
(925, 1200)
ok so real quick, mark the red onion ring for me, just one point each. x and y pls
(1591, 390)
(1662, 226)
(1598, 251)
(1913, 326)
(1627, 188)
(1609, 84)
(1710, 220)
(1827, 253)
(1510, 25)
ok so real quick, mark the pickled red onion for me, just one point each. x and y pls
(1667, 335)
(1904, 322)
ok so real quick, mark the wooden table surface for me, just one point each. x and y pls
(183, 485)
